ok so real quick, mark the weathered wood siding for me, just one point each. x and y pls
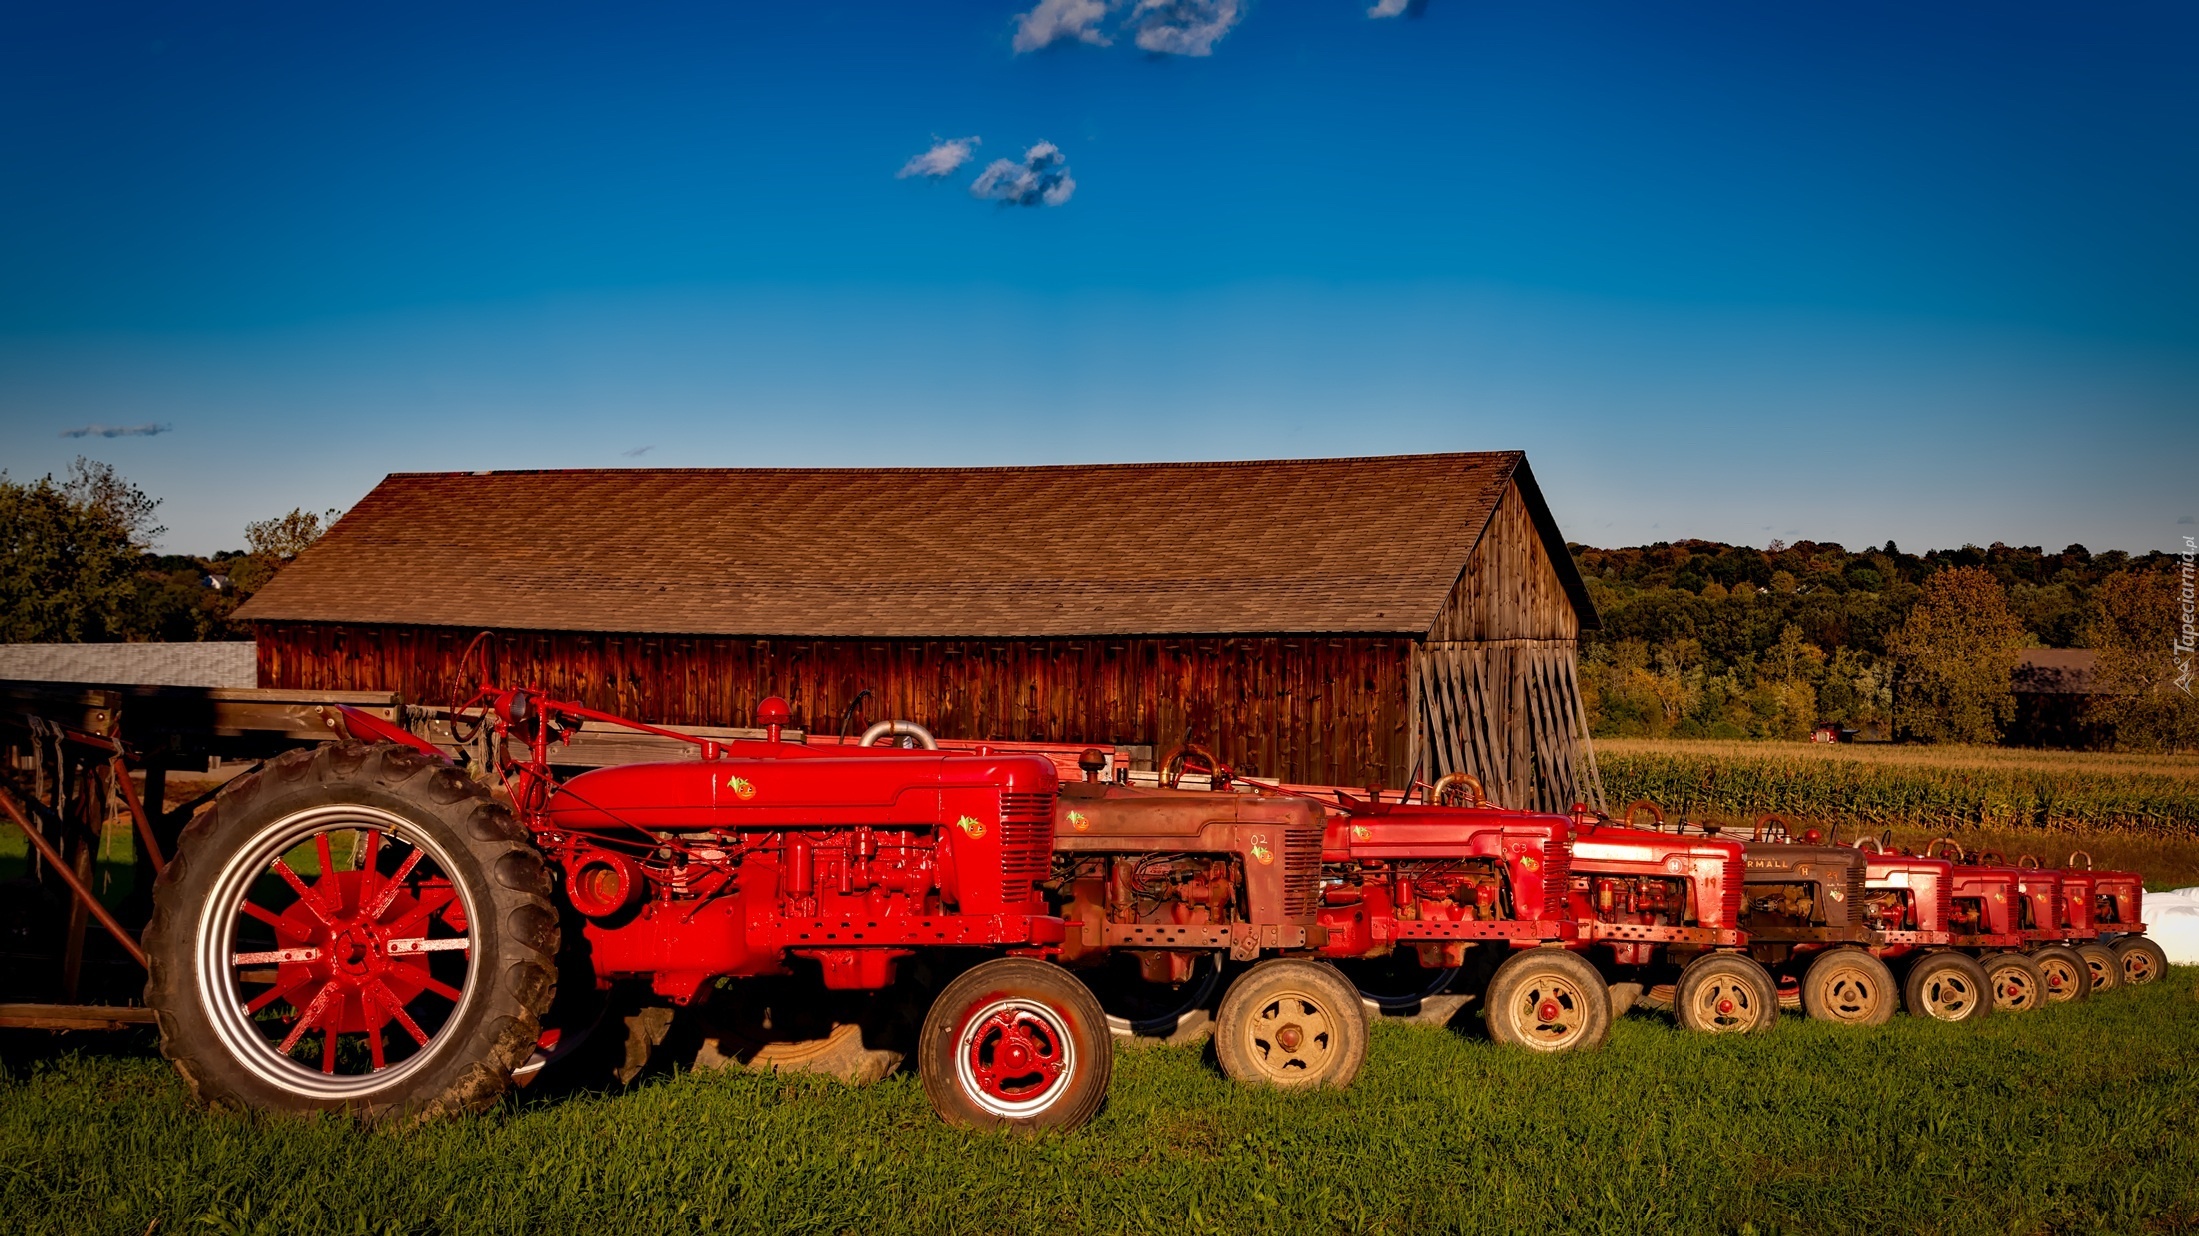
(1495, 688)
(1329, 710)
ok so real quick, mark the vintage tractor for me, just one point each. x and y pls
(1659, 911)
(365, 927)
(2039, 893)
(2118, 901)
(1908, 900)
(1171, 894)
(1985, 915)
(2080, 935)
(1417, 895)
(1805, 921)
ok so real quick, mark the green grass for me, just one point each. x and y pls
(2079, 1118)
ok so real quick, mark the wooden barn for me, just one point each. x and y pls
(1351, 621)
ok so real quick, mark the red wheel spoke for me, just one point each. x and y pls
(368, 855)
(389, 891)
(431, 983)
(306, 1019)
(267, 916)
(305, 894)
(269, 996)
(328, 1048)
(374, 1048)
(387, 1000)
(328, 872)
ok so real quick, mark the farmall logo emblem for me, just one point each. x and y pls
(1528, 862)
(1079, 821)
(1360, 832)
(1838, 895)
(1260, 851)
(971, 827)
(742, 787)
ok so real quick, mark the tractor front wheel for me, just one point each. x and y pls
(356, 928)
(2067, 977)
(2101, 965)
(1947, 987)
(1725, 993)
(2143, 961)
(1849, 986)
(1548, 1000)
(1016, 1044)
(2016, 983)
(1292, 1024)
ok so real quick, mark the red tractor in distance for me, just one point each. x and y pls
(365, 927)
(2118, 905)
(2039, 894)
(1986, 915)
(1660, 912)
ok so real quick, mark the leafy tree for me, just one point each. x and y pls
(1957, 654)
(271, 544)
(2135, 623)
(68, 555)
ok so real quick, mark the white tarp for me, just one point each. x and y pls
(2172, 921)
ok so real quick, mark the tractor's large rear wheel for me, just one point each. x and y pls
(2143, 960)
(2067, 977)
(2015, 982)
(1293, 1024)
(1725, 993)
(355, 928)
(1947, 987)
(1018, 1044)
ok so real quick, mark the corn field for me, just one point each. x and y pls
(1919, 787)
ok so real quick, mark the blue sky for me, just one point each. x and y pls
(1847, 271)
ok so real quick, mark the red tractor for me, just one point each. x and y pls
(1414, 895)
(1909, 901)
(1660, 912)
(364, 927)
(2118, 901)
(2039, 894)
(1985, 915)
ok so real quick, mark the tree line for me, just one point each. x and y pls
(1705, 639)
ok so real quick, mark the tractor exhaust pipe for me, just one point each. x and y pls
(899, 729)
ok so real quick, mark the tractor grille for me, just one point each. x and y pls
(1946, 903)
(1301, 872)
(1026, 844)
(1856, 877)
(1729, 905)
(1557, 875)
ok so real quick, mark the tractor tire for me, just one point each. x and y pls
(2015, 982)
(1726, 993)
(1016, 1044)
(1849, 986)
(1947, 987)
(1293, 1025)
(2068, 979)
(2143, 961)
(1548, 1000)
(2103, 967)
(405, 980)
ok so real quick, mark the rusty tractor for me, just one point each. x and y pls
(365, 927)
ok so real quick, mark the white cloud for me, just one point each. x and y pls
(1184, 27)
(940, 160)
(1054, 20)
(1388, 8)
(1041, 179)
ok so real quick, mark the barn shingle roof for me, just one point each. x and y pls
(1368, 545)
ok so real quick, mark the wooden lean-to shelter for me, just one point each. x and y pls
(1364, 621)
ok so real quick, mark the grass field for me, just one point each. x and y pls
(2077, 1119)
(1926, 788)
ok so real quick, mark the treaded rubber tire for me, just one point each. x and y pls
(2143, 960)
(1237, 1022)
(511, 977)
(1850, 987)
(2068, 979)
(1739, 978)
(1527, 981)
(2102, 965)
(2015, 982)
(1946, 987)
(1061, 1000)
